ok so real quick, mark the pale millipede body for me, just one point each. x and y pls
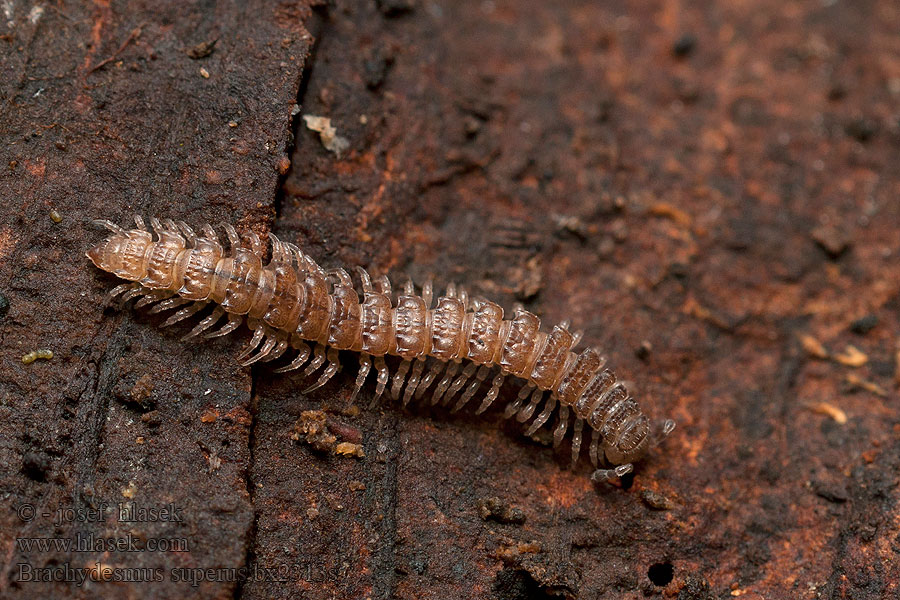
(291, 301)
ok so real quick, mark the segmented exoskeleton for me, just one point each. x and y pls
(291, 301)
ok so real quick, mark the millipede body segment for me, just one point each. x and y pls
(291, 303)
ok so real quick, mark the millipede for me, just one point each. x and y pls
(296, 308)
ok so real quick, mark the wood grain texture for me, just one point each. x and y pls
(103, 110)
(710, 191)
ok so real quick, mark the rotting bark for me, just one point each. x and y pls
(108, 110)
(710, 193)
(667, 197)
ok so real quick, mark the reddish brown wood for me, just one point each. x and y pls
(709, 190)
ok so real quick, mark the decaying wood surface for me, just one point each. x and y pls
(709, 191)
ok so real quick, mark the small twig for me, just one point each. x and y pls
(135, 33)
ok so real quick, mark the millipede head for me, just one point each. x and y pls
(122, 252)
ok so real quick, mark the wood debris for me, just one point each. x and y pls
(813, 347)
(327, 133)
(349, 449)
(856, 382)
(668, 211)
(851, 356)
(829, 410)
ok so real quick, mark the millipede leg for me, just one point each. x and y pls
(294, 252)
(152, 297)
(188, 233)
(234, 321)
(318, 359)
(330, 370)
(492, 394)
(268, 346)
(157, 227)
(365, 365)
(399, 379)
(384, 285)
(184, 313)
(602, 475)
(595, 447)
(482, 374)
(312, 266)
(542, 418)
(514, 406)
(365, 279)
(278, 252)
(662, 431)
(109, 225)
(206, 323)
(342, 276)
(560, 432)
(134, 293)
(428, 292)
(576, 439)
(430, 376)
(169, 304)
(413, 382)
(452, 366)
(232, 235)
(526, 412)
(383, 376)
(576, 337)
(209, 233)
(257, 338)
(298, 361)
(118, 290)
(460, 381)
(280, 347)
(257, 246)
